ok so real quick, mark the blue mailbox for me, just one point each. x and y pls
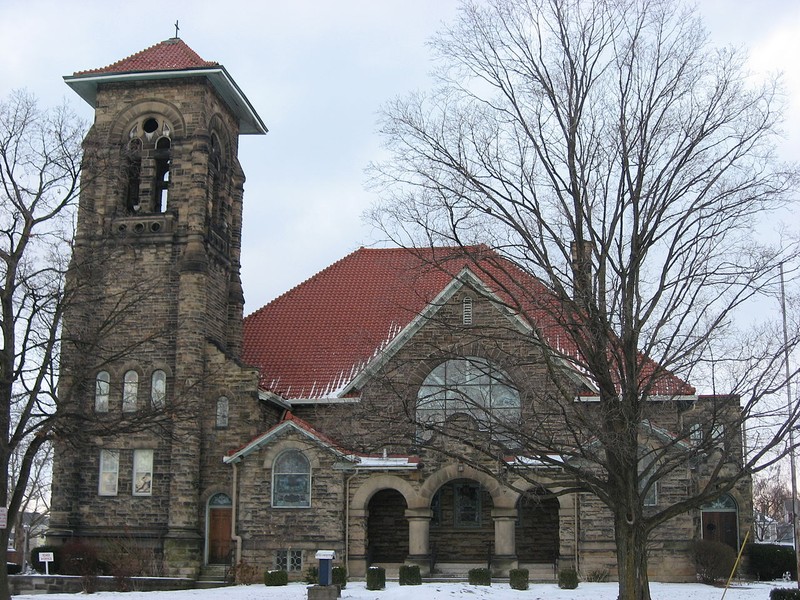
(325, 558)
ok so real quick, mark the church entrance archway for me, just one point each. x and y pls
(387, 528)
(537, 527)
(462, 528)
(218, 529)
(720, 521)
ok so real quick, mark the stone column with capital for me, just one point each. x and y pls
(419, 524)
(505, 541)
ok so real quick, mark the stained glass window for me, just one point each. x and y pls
(222, 412)
(130, 391)
(102, 386)
(467, 504)
(109, 472)
(142, 472)
(291, 481)
(470, 386)
(158, 389)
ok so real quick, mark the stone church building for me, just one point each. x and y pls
(322, 420)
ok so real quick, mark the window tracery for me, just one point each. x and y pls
(147, 159)
(468, 386)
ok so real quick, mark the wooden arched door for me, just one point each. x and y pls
(219, 528)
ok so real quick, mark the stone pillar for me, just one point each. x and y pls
(505, 541)
(419, 523)
(357, 550)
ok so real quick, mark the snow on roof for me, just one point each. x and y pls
(313, 341)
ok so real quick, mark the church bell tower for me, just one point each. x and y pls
(154, 337)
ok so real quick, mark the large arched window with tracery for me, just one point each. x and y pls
(469, 386)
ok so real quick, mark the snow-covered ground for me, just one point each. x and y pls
(446, 591)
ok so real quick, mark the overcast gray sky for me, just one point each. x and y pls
(317, 71)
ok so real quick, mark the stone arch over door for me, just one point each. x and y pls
(462, 525)
(219, 510)
(502, 497)
(387, 527)
(720, 521)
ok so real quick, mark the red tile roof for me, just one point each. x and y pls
(314, 339)
(170, 55)
(369, 461)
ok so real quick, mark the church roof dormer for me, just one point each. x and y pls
(170, 59)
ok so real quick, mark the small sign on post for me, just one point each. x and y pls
(3, 517)
(46, 558)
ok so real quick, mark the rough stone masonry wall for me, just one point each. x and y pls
(179, 310)
(265, 529)
(383, 418)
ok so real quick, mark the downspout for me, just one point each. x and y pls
(577, 533)
(234, 505)
(347, 520)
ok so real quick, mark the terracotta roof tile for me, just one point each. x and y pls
(170, 55)
(314, 339)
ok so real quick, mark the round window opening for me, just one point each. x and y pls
(150, 125)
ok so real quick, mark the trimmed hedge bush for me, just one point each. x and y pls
(13, 568)
(276, 577)
(714, 561)
(312, 575)
(770, 561)
(376, 578)
(518, 579)
(784, 594)
(410, 575)
(339, 577)
(567, 579)
(480, 576)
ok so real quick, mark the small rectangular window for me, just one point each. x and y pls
(289, 560)
(109, 473)
(142, 472)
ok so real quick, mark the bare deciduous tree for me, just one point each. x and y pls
(608, 151)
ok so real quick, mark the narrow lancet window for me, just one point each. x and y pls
(133, 171)
(161, 181)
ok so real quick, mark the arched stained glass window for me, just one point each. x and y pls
(158, 389)
(222, 412)
(130, 391)
(101, 390)
(470, 386)
(291, 480)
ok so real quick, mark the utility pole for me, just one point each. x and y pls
(790, 408)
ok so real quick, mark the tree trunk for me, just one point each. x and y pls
(5, 593)
(631, 540)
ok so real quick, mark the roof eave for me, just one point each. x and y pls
(249, 120)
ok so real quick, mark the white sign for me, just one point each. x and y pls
(3, 517)
(46, 558)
